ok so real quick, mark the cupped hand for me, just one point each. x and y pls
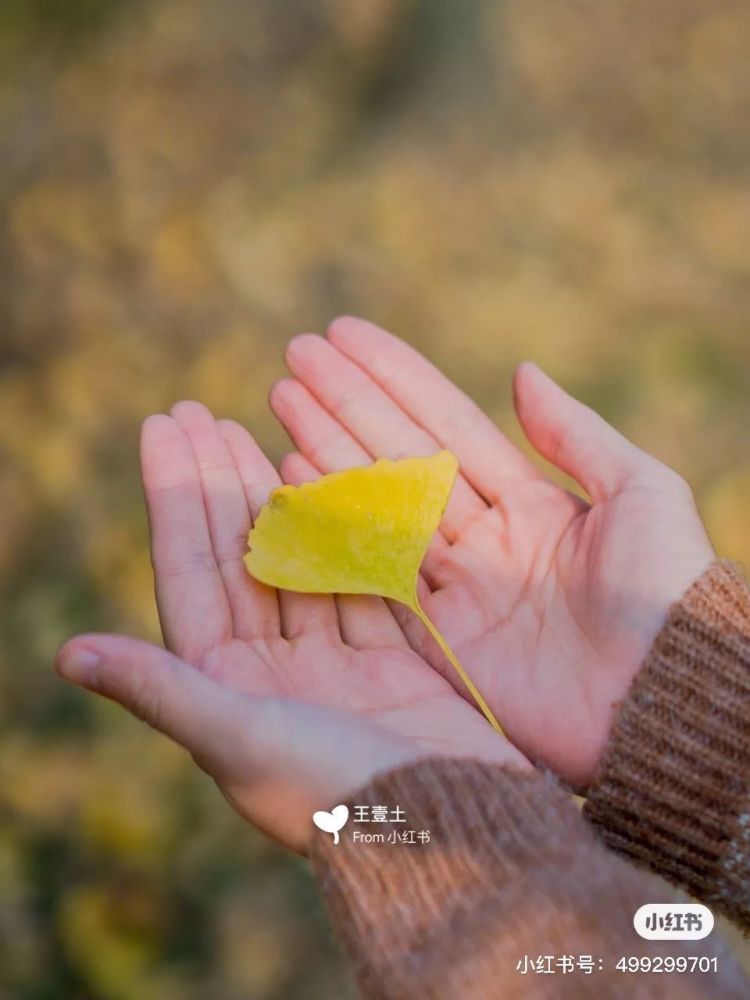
(549, 601)
(288, 701)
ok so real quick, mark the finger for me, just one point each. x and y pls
(210, 721)
(253, 606)
(454, 420)
(193, 606)
(326, 443)
(356, 402)
(574, 438)
(295, 468)
(298, 613)
(256, 472)
(257, 478)
(304, 613)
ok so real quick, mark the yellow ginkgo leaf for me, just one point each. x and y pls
(361, 531)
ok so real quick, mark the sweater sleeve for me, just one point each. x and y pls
(511, 882)
(673, 788)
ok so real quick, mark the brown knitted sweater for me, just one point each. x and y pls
(515, 895)
(673, 789)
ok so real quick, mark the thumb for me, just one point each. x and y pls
(163, 691)
(574, 438)
(276, 760)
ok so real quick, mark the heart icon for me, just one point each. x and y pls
(333, 821)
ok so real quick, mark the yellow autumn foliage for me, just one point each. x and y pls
(359, 531)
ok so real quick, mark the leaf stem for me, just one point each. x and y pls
(476, 695)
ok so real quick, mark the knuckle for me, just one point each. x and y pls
(351, 396)
(215, 466)
(684, 491)
(559, 442)
(148, 703)
(230, 548)
(199, 561)
(320, 451)
(675, 482)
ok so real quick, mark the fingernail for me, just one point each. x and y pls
(78, 664)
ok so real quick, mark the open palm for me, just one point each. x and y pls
(550, 602)
(287, 700)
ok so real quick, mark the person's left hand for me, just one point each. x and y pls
(288, 701)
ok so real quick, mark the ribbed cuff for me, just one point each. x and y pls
(487, 826)
(673, 789)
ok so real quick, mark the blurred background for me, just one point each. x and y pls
(186, 184)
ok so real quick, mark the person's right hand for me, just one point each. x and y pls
(289, 701)
(551, 603)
